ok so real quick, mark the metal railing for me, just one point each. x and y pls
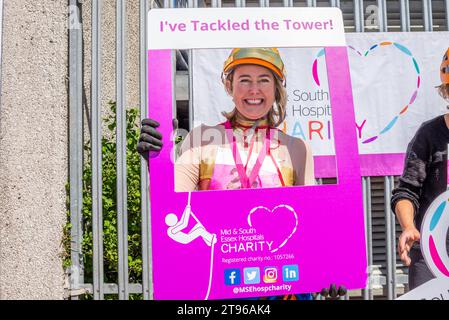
(123, 288)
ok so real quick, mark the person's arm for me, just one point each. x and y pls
(309, 170)
(187, 166)
(405, 198)
(405, 213)
(302, 161)
(187, 172)
(184, 221)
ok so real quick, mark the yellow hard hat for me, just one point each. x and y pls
(265, 57)
(444, 68)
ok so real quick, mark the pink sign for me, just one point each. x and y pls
(255, 242)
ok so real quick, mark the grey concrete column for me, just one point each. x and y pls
(33, 148)
(108, 47)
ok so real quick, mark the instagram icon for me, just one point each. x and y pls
(270, 275)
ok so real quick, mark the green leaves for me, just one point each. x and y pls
(109, 200)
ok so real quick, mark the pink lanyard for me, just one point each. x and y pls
(246, 181)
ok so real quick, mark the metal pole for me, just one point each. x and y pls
(427, 15)
(368, 291)
(369, 232)
(382, 15)
(389, 249)
(216, 3)
(122, 214)
(311, 3)
(405, 15)
(393, 240)
(334, 3)
(97, 185)
(365, 291)
(446, 2)
(288, 3)
(192, 4)
(240, 3)
(358, 15)
(76, 144)
(264, 3)
(147, 262)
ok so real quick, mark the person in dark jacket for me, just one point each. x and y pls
(424, 178)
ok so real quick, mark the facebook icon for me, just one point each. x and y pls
(232, 277)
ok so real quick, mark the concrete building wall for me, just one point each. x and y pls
(34, 133)
(33, 148)
(108, 56)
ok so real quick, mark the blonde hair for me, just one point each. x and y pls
(277, 113)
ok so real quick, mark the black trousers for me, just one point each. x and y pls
(418, 272)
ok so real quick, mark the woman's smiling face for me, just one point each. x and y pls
(253, 90)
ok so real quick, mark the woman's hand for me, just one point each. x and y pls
(332, 291)
(150, 138)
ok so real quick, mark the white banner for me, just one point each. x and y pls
(393, 77)
(244, 27)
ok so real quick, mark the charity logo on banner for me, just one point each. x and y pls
(252, 240)
(434, 232)
(393, 75)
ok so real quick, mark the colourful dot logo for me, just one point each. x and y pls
(433, 236)
(403, 108)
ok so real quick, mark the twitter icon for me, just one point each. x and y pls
(251, 275)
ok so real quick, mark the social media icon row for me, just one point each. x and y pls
(233, 277)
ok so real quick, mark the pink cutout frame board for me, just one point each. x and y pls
(253, 242)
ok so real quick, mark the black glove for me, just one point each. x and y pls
(332, 292)
(150, 138)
